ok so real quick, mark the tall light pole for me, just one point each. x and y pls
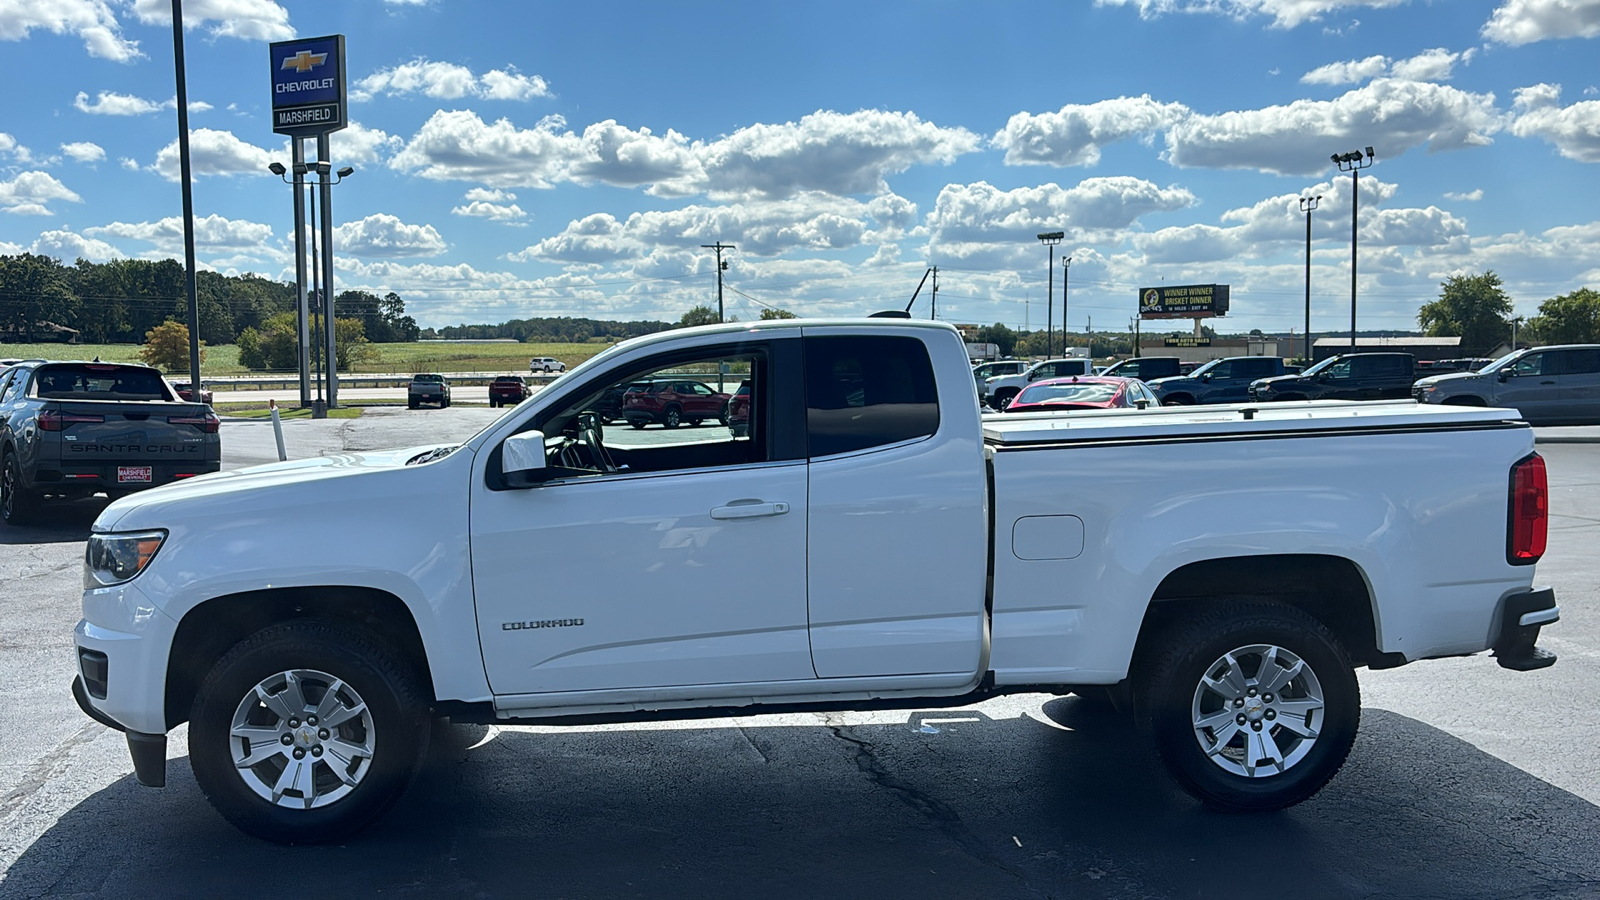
(1050, 239)
(1066, 265)
(1353, 162)
(303, 329)
(1307, 204)
(182, 100)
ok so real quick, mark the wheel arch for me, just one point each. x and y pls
(208, 630)
(1332, 589)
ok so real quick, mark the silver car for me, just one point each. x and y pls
(1556, 385)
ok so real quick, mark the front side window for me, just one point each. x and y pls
(1532, 364)
(1222, 370)
(867, 391)
(656, 420)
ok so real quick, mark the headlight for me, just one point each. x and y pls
(114, 558)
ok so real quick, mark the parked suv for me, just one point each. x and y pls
(546, 364)
(1147, 368)
(428, 389)
(988, 370)
(508, 390)
(1557, 385)
(1219, 381)
(673, 402)
(999, 391)
(1350, 376)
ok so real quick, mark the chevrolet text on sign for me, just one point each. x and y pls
(308, 95)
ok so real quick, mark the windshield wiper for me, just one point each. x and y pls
(431, 455)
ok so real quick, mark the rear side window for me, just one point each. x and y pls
(96, 381)
(1580, 362)
(866, 392)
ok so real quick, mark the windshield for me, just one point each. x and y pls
(1083, 392)
(1320, 366)
(1205, 368)
(1502, 362)
(89, 381)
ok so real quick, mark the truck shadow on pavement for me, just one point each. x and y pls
(951, 804)
(57, 523)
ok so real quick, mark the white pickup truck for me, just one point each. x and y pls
(866, 541)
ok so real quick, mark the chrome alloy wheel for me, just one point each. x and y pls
(1258, 710)
(302, 739)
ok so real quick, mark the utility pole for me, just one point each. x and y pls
(1066, 265)
(721, 267)
(1353, 163)
(1307, 204)
(1051, 239)
(933, 304)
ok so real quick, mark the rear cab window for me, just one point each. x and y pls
(867, 391)
(99, 381)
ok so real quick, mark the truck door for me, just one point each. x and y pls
(1580, 385)
(898, 533)
(1532, 387)
(678, 558)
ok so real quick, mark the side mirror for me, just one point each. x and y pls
(1503, 374)
(522, 462)
(1206, 377)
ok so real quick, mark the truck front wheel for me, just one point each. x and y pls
(306, 732)
(1253, 706)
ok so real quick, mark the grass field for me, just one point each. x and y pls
(486, 356)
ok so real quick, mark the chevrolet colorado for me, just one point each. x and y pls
(868, 541)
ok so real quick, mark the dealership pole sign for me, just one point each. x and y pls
(308, 96)
(1190, 301)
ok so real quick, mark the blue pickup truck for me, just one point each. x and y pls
(1219, 381)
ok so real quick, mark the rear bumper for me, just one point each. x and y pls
(71, 477)
(1517, 632)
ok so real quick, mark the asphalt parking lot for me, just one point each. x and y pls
(1467, 781)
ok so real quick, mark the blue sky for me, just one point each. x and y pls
(525, 159)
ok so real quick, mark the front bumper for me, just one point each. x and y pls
(1521, 617)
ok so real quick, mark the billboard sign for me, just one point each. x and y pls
(308, 95)
(1191, 301)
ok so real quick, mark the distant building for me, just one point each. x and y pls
(1425, 349)
(1190, 349)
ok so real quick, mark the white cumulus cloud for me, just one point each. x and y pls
(1352, 71)
(94, 21)
(1284, 13)
(84, 151)
(448, 81)
(490, 204)
(210, 232)
(1074, 134)
(260, 20)
(213, 152)
(111, 103)
(1519, 22)
(30, 193)
(68, 247)
(1471, 196)
(385, 236)
(1574, 130)
(1298, 139)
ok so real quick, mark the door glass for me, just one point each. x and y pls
(1532, 364)
(658, 420)
(866, 392)
(1222, 370)
(1580, 362)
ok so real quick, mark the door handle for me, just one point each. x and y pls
(749, 509)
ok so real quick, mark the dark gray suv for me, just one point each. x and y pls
(1556, 385)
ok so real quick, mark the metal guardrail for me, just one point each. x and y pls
(359, 380)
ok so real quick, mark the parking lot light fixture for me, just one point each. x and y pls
(1050, 239)
(1353, 162)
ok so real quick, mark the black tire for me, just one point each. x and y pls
(695, 423)
(672, 417)
(445, 403)
(18, 506)
(1003, 398)
(412, 404)
(637, 423)
(723, 415)
(1196, 647)
(493, 403)
(394, 699)
(1178, 400)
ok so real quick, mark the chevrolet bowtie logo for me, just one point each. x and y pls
(304, 61)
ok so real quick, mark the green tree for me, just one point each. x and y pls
(166, 347)
(350, 344)
(1473, 307)
(34, 290)
(273, 346)
(700, 315)
(1000, 336)
(1568, 319)
(401, 326)
(769, 314)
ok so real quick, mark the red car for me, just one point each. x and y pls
(672, 402)
(185, 392)
(1083, 392)
(737, 413)
(508, 390)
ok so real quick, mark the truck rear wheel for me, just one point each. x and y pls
(1253, 706)
(306, 732)
(17, 505)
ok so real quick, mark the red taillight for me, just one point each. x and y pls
(206, 421)
(1530, 512)
(56, 420)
